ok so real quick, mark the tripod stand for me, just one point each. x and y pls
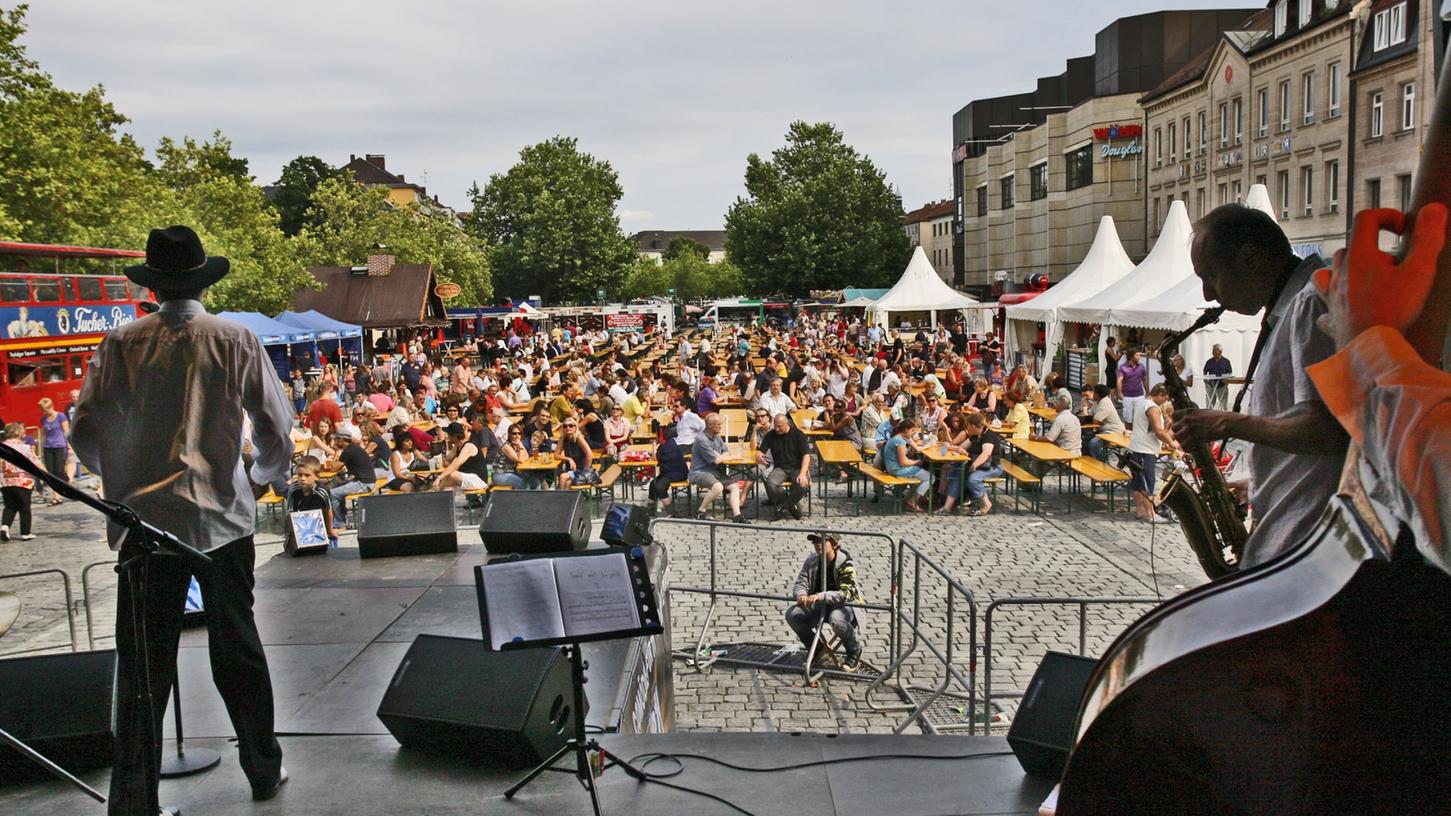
(144, 542)
(579, 744)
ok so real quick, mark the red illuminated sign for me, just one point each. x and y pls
(1119, 132)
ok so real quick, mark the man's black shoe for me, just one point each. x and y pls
(263, 794)
(795, 510)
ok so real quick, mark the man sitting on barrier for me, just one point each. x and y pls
(813, 603)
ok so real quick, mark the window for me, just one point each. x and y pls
(47, 290)
(1223, 124)
(1307, 90)
(1038, 181)
(982, 200)
(1158, 146)
(1408, 106)
(1154, 216)
(1285, 105)
(1372, 193)
(1377, 114)
(1282, 17)
(1173, 141)
(1282, 182)
(89, 288)
(116, 289)
(1223, 194)
(1007, 192)
(1263, 101)
(1188, 138)
(1238, 120)
(138, 292)
(1239, 192)
(1307, 189)
(1307, 8)
(1390, 27)
(1334, 87)
(1332, 186)
(14, 290)
(1203, 132)
(36, 371)
(1200, 195)
(1403, 186)
(1080, 167)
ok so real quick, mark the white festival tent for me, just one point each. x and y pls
(919, 291)
(1105, 263)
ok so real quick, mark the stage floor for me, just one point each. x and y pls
(356, 775)
(335, 628)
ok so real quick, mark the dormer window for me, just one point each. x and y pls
(1282, 17)
(1307, 9)
(1389, 27)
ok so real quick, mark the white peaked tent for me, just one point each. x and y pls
(919, 290)
(1166, 265)
(1105, 263)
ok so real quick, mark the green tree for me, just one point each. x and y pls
(817, 215)
(690, 275)
(681, 244)
(293, 192)
(67, 174)
(551, 224)
(349, 220)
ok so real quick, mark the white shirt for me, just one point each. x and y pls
(160, 418)
(687, 428)
(777, 405)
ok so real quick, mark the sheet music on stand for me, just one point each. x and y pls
(566, 598)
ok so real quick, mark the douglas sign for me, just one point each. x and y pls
(1133, 148)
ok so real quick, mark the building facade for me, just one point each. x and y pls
(930, 227)
(653, 243)
(371, 170)
(1034, 172)
(1319, 100)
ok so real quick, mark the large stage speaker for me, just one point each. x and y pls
(1042, 731)
(455, 697)
(535, 521)
(406, 524)
(60, 705)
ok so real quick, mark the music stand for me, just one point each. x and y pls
(579, 743)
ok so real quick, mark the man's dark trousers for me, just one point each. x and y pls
(239, 670)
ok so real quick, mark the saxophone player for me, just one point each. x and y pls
(1296, 446)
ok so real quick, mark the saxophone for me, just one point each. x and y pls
(1209, 513)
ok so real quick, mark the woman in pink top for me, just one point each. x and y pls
(18, 485)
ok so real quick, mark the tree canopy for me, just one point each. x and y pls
(293, 192)
(685, 245)
(688, 273)
(817, 215)
(551, 226)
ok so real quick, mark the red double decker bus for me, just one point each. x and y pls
(56, 303)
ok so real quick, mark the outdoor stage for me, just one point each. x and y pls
(335, 628)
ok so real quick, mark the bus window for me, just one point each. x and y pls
(14, 290)
(47, 290)
(78, 370)
(35, 371)
(116, 289)
(138, 292)
(89, 288)
(68, 289)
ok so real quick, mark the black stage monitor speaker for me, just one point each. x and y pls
(60, 705)
(627, 525)
(535, 521)
(455, 697)
(406, 524)
(1042, 731)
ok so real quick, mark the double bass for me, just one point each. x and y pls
(1319, 682)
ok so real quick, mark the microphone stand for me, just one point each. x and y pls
(143, 541)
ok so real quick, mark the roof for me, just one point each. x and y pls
(1105, 263)
(21, 248)
(269, 331)
(1368, 57)
(320, 324)
(403, 297)
(659, 240)
(1166, 265)
(930, 212)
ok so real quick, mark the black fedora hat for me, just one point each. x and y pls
(175, 260)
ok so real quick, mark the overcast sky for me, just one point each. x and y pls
(674, 95)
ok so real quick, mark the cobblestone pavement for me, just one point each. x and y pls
(1000, 556)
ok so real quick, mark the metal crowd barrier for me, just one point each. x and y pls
(904, 609)
(86, 599)
(70, 611)
(988, 695)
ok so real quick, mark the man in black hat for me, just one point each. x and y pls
(160, 419)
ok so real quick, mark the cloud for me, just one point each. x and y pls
(674, 95)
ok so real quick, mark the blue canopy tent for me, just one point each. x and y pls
(284, 343)
(331, 334)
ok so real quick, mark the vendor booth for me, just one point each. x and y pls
(288, 346)
(918, 297)
(332, 335)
